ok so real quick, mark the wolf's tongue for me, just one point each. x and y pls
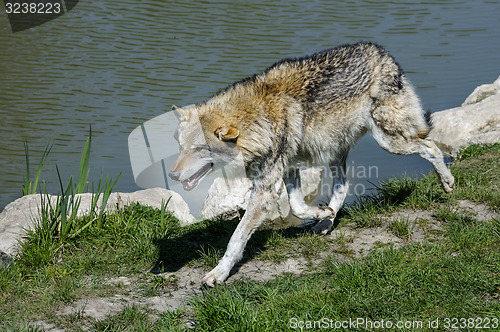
(193, 181)
(189, 184)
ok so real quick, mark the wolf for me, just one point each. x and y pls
(302, 111)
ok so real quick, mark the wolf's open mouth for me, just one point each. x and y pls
(195, 179)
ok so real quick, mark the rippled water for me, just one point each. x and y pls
(116, 64)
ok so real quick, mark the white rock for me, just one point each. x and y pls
(24, 212)
(226, 198)
(477, 121)
(15, 218)
(482, 92)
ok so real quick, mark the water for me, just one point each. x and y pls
(115, 64)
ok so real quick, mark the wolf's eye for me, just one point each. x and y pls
(199, 148)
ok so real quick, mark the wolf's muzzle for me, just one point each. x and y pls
(174, 175)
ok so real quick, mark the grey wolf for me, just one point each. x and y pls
(302, 111)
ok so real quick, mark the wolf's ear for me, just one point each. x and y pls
(227, 133)
(180, 113)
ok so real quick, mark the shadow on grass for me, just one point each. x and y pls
(207, 242)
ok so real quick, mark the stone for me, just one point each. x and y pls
(24, 212)
(228, 198)
(477, 121)
(5, 259)
(15, 218)
(482, 92)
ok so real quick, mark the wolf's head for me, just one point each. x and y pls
(205, 143)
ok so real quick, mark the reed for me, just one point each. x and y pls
(58, 217)
(29, 187)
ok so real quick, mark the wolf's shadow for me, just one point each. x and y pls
(209, 243)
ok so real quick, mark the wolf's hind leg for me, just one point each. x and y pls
(340, 185)
(297, 203)
(399, 126)
(424, 147)
(340, 189)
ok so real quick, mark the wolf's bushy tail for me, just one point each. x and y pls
(428, 118)
(424, 132)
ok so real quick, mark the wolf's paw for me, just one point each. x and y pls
(322, 227)
(319, 213)
(327, 212)
(216, 276)
(448, 184)
(312, 212)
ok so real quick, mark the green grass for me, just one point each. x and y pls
(419, 282)
(401, 228)
(477, 150)
(457, 276)
(478, 176)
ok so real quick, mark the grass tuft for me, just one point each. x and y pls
(476, 150)
(209, 256)
(401, 228)
(29, 186)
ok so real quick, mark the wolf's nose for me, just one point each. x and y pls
(174, 175)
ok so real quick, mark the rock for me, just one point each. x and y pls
(5, 259)
(476, 121)
(15, 218)
(482, 92)
(228, 198)
(24, 212)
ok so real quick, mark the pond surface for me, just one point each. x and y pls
(114, 64)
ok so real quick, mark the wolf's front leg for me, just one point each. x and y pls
(296, 198)
(340, 189)
(256, 213)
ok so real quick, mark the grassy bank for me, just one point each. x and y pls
(127, 255)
